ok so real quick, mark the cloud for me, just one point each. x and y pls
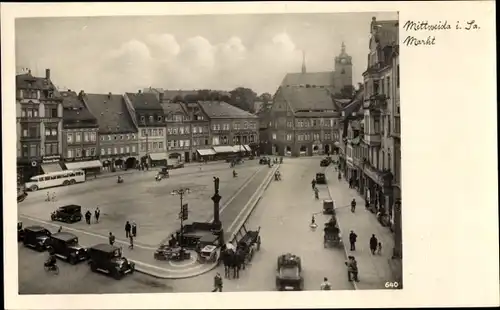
(161, 60)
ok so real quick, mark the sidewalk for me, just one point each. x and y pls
(374, 270)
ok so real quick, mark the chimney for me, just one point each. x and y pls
(139, 91)
(109, 95)
(47, 74)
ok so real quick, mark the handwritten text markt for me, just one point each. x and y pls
(440, 25)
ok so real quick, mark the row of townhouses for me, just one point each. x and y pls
(370, 148)
(59, 130)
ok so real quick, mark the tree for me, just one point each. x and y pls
(243, 98)
(266, 98)
(347, 92)
(177, 99)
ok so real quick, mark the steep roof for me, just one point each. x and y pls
(74, 109)
(23, 81)
(355, 105)
(312, 78)
(172, 108)
(144, 101)
(220, 109)
(111, 113)
(304, 98)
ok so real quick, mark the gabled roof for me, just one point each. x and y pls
(75, 110)
(355, 105)
(175, 108)
(144, 101)
(220, 109)
(303, 98)
(309, 78)
(39, 83)
(111, 113)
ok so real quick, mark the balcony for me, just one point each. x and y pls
(383, 178)
(376, 102)
(396, 128)
(30, 138)
(372, 139)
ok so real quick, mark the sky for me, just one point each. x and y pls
(125, 54)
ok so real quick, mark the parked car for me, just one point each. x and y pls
(108, 259)
(36, 237)
(320, 178)
(65, 246)
(264, 160)
(67, 214)
(324, 162)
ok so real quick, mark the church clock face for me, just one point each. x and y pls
(343, 61)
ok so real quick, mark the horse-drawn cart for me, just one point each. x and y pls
(250, 242)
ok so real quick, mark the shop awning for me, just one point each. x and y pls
(206, 152)
(223, 149)
(83, 165)
(239, 148)
(49, 168)
(248, 148)
(158, 156)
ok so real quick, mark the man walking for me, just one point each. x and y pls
(97, 213)
(313, 183)
(127, 229)
(217, 283)
(352, 240)
(131, 239)
(353, 205)
(325, 286)
(373, 244)
(354, 268)
(111, 238)
(134, 229)
(88, 216)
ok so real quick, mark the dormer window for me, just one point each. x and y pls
(160, 118)
(143, 118)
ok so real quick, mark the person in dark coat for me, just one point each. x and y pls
(217, 283)
(353, 205)
(97, 213)
(88, 216)
(313, 183)
(134, 229)
(352, 240)
(127, 229)
(111, 238)
(373, 244)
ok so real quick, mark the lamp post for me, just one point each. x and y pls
(183, 213)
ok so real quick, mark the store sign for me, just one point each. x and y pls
(84, 158)
(51, 159)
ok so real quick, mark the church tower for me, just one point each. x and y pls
(343, 69)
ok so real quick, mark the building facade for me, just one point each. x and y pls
(118, 142)
(232, 130)
(80, 136)
(178, 126)
(39, 113)
(147, 114)
(201, 144)
(304, 121)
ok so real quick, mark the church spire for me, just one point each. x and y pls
(303, 61)
(342, 49)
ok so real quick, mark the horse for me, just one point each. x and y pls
(227, 258)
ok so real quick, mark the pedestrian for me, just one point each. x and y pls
(325, 286)
(48, 196)
(131, 239)
(354, 269)
(353, 205)
(348, 263)
(367, 203)
(127, 229)
(217, 283)
(379, 248)
(53, 196)
(313, 183)
(134, 229)
(111, 238)
(97, 213)
(88, 216)
(60, 229)
(352, 240)
(373, 244)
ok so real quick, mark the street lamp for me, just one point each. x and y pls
(184, 209)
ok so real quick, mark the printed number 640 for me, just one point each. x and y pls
(391, 284)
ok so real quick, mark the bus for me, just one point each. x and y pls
(66, 177)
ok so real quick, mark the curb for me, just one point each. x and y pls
(233, 235)
(346, 253)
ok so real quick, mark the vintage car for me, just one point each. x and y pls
(264, 160)
(108, 259)
(36, 237)
(67, 214)
(208, 254)
(289, 273)
(328, 206)
(20, 231)
(320, 178)
(65, 246)
(325, 162)
(164, 173)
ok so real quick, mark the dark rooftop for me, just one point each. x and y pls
(318, 79)
(111, 113)
(144, 101)
(220, 109)
(28, 81)
(175, 108)
(303, 98)
(75, 111)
